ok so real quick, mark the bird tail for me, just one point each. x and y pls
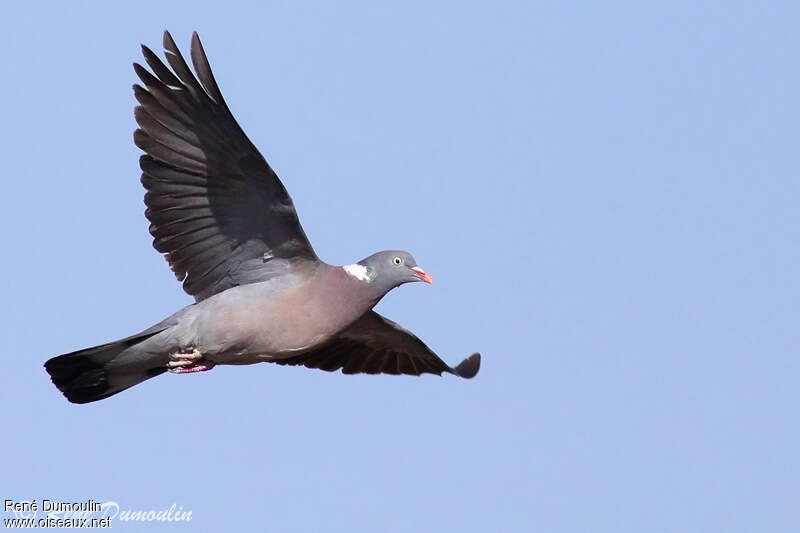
(102, 371)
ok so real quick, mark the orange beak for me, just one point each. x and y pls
(421, 274)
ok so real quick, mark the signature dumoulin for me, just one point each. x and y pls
(76, 512)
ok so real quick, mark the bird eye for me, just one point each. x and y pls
(397, 261)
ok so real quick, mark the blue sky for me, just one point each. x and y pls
(606, 196)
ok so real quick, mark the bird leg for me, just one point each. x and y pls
(188, 361)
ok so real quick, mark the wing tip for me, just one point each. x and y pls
(468, 368)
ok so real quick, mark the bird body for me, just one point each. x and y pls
(229, 230)
(298, 319)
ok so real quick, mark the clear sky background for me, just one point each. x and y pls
(607, 196)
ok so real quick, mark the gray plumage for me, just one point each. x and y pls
(230, 233)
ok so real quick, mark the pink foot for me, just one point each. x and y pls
(188, 362)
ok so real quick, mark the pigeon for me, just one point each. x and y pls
(230, 233)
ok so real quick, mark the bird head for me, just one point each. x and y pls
(391, 268)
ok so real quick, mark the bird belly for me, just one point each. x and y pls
(239, 331)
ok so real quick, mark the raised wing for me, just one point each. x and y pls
(376, 345)
(216, 209)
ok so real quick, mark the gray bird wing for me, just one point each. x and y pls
(376, 345)
(217, 210)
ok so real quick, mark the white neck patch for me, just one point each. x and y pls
(360, 272)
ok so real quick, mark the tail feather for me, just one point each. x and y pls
(84, 376)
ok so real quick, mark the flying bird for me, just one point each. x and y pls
(230, 232)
